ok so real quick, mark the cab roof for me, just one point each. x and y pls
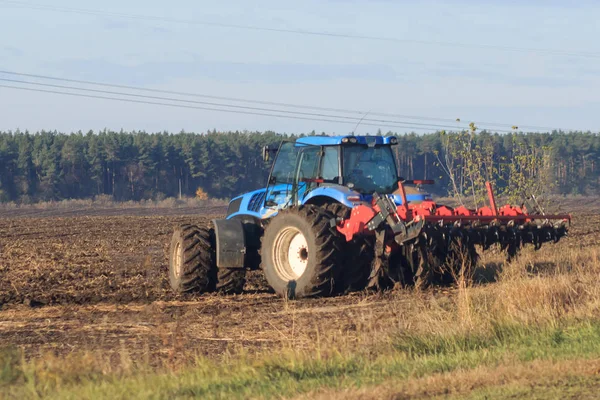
(348, 139)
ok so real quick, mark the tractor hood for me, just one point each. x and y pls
(253, 203)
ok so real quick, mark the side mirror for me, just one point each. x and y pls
(266, 153)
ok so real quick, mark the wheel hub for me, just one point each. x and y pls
(178, 258)
(298, 254)
(290, 253)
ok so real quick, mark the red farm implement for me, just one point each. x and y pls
(435, 240)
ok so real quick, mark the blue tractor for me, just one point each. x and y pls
(335, 216)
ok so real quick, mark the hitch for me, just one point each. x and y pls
(388, 212)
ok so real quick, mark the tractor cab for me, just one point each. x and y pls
(347, 170)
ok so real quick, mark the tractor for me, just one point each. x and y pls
(336, 217)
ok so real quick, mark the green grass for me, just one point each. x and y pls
(573, 387)
(290, 373)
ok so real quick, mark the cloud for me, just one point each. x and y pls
(12, 51)
(160, 30)
(238, 72)
(494, 75)
(116, 25)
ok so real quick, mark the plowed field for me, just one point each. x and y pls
(97, 280)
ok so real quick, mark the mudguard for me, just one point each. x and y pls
(231, 244)
(237, 243)
(336, 193)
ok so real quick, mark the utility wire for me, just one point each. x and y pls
(82, 11)
(206, 108)
(285, 112)
(277, 104)
(236, 99)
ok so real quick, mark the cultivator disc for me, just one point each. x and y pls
(434, 237)
(448, 249)
(507, 235)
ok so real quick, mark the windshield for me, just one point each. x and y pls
(370, 169)
(293, 174)
(285, 164)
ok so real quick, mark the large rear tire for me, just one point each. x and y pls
(358, 255)
(192, 259)
(301, 253)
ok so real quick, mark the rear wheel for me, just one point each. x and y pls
(191, 259)
(358, 255)
(301, 253)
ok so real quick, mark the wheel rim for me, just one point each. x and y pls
(177, 261)
(290, 253)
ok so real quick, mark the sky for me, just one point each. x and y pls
(479, 79)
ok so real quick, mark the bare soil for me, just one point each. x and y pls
(96, 280)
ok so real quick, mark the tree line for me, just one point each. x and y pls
(49, 165)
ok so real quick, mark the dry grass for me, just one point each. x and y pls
(106, 201)
(525, 327)
(526, 321)
(546, 287)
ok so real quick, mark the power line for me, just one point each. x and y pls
(277, 104)
(285, 112)
(204, 108)
(236, 99)
(81, 11)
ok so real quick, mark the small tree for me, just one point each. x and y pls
(529, 172)
(201, 194)
(469, 160)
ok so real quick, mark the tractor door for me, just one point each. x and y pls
(307, 171)
(281, 179)
(292, 175)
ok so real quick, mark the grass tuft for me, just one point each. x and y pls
(10, 367)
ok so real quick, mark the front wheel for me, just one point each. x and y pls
(301, 253)
(230, 280)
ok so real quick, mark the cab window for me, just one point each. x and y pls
(330, 164)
